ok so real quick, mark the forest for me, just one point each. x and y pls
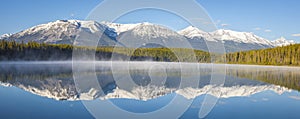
(33, 51)
(286, 55)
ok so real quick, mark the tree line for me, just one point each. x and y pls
(34, 51)
(286, 55)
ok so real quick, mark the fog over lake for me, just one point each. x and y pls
(63, 89)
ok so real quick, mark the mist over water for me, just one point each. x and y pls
(149, 86)
(113, 74)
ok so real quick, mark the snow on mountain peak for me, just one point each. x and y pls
(282, 42)
(233, 40)
(119, 28)
(153, 35)
(230, 35)
(59, 32)
(192, 32)
(241, 37)
(59, 26)
(146, 23)
(4, 36)
(225, 35)
(66, 31)
(153, 31)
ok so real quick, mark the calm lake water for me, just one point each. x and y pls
(147, 89)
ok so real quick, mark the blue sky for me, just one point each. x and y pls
(270, 19)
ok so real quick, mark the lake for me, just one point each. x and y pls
(147, 90)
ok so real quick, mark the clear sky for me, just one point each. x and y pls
(270, 19)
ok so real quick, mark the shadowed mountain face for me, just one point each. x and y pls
(55, 80)
(110, 34)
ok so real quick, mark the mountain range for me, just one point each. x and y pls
(66, 31)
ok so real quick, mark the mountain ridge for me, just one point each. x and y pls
(66, 31)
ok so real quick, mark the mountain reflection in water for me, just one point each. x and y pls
(55, 80)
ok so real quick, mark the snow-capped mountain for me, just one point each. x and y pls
(119, 28)
(282, 42)
(193, 32)
(63, 32)
(4, 36)
(66, 31)
(240, 37)
(151, 35)
(226, 35)
(233, 40)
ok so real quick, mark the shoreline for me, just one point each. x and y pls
(97, 62)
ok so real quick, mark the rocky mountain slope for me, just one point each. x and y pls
(141, 35)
